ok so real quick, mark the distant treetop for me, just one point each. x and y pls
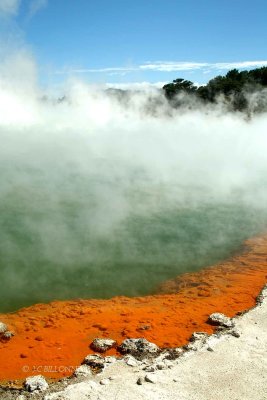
(235, 86)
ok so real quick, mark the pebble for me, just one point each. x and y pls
(102, 345)
(151, 378)
(221, 319)
(8, 335)
(235, 333)
(34, 383)
(197, 341)
(138, 346)
(150, 368)
(105, 382)
(83, 370)
(110, 359)
(161, 365)
(198, 336)
(210, 349)
(3, 327)
(140, 381)
(94, 360)
(178, 351)
(131, 361)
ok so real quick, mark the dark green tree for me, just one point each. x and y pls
(179, 86)
(235, 86)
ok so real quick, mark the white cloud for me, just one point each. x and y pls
(167, 66)
(171, 66)
(241, 64)
(9, 7)
(136, 85)
(97, 70)
(35, 6)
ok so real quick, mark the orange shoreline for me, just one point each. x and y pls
(52, 339)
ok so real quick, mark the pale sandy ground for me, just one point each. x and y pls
(236, 370)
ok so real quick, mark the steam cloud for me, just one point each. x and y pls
(9, 7)
(104, 194)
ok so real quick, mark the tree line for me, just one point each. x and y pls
(235, 88)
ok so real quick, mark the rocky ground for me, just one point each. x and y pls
(230, 364)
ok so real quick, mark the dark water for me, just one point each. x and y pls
(83, 246)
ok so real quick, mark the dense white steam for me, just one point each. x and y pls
(98, 180)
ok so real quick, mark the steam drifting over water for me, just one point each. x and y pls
(103, 195)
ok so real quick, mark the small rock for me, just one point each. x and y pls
(138, 347)
(220, 329)
(94, 361)
(161, 366)
(150, 368)
(102, 345)
(197, 341)
(210, 349)
(7, 335)
(178, 351)
(104, 382)
(131, 361)
(175, 380)
(151, 378)
(140, 381)
(198, 336)
(83, 370)
(110, 359)
(221, 319)
(3, 327)
(235, 333)
(174, 353)
(37, 382)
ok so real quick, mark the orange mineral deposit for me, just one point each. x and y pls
(52, 339)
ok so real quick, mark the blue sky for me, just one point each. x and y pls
(134, 41)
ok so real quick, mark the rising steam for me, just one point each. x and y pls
(104, 194)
